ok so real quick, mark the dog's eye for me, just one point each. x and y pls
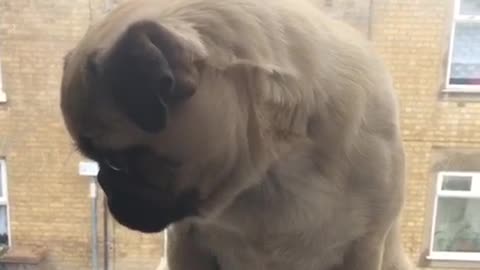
(116, 163)
(114, 166)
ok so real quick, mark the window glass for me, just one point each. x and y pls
(3, 226)
(465, 62)
(470, 7)
(457, 183)
(457, 225)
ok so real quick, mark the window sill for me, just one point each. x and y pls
(460, 95)
(438, 258)
(455, 90)
(23, 255)
(436, 262)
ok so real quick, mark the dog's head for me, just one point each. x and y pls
(172, 136)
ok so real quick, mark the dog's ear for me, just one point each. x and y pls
(66, 59)
(140, 72)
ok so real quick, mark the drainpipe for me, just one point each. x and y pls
(371, 8)
(163, 262)
(107, 237)
(90, 169)
(93, 196)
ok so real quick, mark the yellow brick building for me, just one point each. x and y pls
(45, 203)
(432, 49)
(48, 201)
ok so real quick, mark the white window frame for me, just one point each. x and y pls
(4, 197)
(439, 193)
(3, 96)
(458, 18)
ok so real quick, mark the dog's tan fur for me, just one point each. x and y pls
(291, 137)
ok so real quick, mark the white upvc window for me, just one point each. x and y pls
(5, 239)
(463, 71)
(3, 96)
(455, 232)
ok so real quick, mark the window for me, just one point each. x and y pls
(455, 232)
(3, 96)
(463, 71)
(4, 213)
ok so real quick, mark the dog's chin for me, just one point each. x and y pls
(141, 215)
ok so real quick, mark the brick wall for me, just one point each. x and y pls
(49, 202)
(413, 37)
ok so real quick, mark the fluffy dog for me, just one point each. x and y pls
(264, 132)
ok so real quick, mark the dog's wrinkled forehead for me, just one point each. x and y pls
(130, 80)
